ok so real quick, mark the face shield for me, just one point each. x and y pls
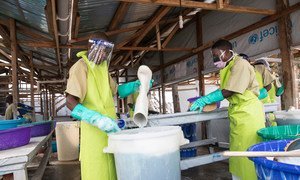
(100, 50)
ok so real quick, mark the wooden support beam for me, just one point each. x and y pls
(144, 31)
(170, 36)
(119, 15)
(158, 37)
(55, 30)
(226, 2)
(220, 4)
(49, 44)
(75, 19)
(162, 79)
(46, 103)
(5, 54)
(32, 85)
(289, 98)
(14, 59)
(77, 22)
(261, 23)
(5, 65)
(209, 6)
(175, 96)
(53, 105)
(200, 58)
(152, 49)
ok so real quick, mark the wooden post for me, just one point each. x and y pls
(53, 105)
(14, 59)
(125, 99)
(32, 86)
(159, 100)
(200, 55)
(163, 88)
(50, 103)
(176, 102)
(158, 37)
(46, 103)
(118, 100)
(41, 102)
(289, 96)
(200, 69)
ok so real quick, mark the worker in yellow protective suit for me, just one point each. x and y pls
(264, 78)
(11, 110)
(90, 92)
(240, 87)
(263, 67)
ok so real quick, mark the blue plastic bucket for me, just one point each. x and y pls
(268, 169)
(54, 146)
(7, 124)
(189, 132)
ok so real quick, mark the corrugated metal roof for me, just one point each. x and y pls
(28, 12)
(139, 12)
(95, 14)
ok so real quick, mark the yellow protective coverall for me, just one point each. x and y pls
(245, 113)
(96, 165)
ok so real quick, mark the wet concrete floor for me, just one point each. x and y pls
(71, 171)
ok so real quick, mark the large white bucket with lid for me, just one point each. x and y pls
(147, 153)
(67, 137)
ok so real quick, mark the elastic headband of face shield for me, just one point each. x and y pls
(100, 50)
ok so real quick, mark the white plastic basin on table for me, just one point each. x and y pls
(147, 153)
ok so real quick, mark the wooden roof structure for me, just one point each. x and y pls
(40, 39)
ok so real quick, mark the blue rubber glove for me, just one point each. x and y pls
(94, 118)
(280, 91)
(126, 89)
(263, 93)
(211, 98)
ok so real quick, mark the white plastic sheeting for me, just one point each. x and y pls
(257, 43)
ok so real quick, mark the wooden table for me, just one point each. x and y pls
(16, 160)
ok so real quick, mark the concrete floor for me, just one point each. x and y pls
(71, 171)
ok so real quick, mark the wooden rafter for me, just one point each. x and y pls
(144, 31)
(208, 6)
(119, 15)
(5, 34)
(128, 29)
(52, 5)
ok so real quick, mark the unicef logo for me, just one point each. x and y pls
(253, 39)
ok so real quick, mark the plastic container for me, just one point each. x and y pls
(291, 114)
(189, 132)
(54, 146)
(67, 138)
(269, 169)
(279, 132)
(40, 128)
(147, 153)
(14, 137)
(282, 122)
(7, 124)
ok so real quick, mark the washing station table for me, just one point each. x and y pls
(16, 160)
(211, 119)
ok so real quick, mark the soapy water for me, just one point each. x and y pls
(148, 167)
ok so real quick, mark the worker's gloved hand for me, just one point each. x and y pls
(213, 97)
(94, 118)
(126, 89)
(263, 93)
(280, 91)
